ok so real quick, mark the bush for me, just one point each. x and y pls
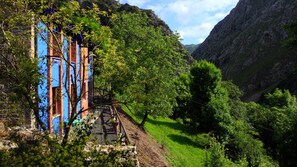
(73, 154)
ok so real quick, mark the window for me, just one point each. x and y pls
(56, 43)
(56, 101)
(84, 91)
(73, 93)
(73, 51)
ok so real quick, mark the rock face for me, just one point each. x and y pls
(248, 45)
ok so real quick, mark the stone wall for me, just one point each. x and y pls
(14, 113)
(129, 153)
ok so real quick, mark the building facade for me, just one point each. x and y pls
(66, 77)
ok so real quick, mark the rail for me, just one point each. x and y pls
(119, 127)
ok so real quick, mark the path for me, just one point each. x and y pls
(103, 131)
(149, 152)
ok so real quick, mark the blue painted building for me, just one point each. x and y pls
(66, 82)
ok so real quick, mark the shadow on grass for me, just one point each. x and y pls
(172, 125)
(184, 141)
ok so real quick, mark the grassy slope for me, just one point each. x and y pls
(182, 148)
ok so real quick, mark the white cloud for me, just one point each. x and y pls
(200, 40)
(193, 19)
(181, 10)
(198, 32)
(220, 15)
(203, 28)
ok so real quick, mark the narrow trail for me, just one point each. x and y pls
(103, 131)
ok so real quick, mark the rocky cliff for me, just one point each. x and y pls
(247, 45)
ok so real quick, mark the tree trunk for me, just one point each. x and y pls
(65, 138)
(144, 119)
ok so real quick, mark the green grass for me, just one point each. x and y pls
(183, 149)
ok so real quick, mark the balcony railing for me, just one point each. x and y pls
(119, 127)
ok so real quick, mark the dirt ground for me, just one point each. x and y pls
(149, 152)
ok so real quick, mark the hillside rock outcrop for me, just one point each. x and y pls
(247, 45)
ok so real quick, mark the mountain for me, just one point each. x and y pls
(248, 45)
(114, 7)
(191, 48)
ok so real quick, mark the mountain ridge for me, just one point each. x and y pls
(191, 47)
(247, 45)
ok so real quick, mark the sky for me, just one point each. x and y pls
(192, 19)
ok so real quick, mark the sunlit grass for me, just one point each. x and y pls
(183, 148)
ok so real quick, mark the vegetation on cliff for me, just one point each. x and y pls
(247, 45)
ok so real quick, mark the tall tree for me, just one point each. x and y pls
(152, 60)
(207, 95)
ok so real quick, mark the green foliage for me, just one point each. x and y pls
(233, 90)
(183, 90)
(149, 62)
(280, 98)
(291, 29)
(191, 48)
(217, 157)
(216, 107)
(73, 154)
(205, 81)
(276, 123)
(17, 71)
(19, 68)
(183, 148)
(209, 102)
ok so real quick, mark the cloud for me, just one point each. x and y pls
(220, 15)
(187, 10)
(196, 33)
(200, 40)
(193, 19)
(192, 30)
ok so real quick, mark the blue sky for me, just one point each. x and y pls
(192, 19)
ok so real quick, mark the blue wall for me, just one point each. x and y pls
(90, 68)
(42, 49)
(42, 54)
(72, 72)
(65, 82)
(56, 125)
(56, 72)
(90, 79)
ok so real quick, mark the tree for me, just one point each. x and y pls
(15, 65)
(291, 29)
(19, 66)
(276, 123)
(280, 98)
(218, 158)
(209, 101)
(151, 61)
(183, 98)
